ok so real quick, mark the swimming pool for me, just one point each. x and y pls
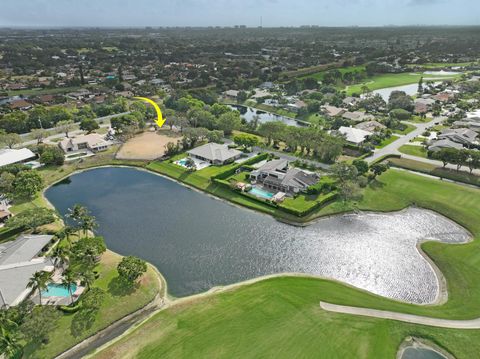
(58, 290)
(182, 162)
(261, 193)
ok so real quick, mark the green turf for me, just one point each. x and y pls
(387, 141)
(281, 317)
(390, 80)
(407, 129)
(413, 150)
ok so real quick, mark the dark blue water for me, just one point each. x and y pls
(198, 242)
(421, 353)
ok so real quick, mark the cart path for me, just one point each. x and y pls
(409, 318)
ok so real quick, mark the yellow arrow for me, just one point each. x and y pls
(160, 120)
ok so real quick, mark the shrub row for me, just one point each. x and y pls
(330, 197)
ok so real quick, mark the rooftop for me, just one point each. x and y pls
(9, 156)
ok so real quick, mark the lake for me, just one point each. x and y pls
(198, 242)
(248, 113)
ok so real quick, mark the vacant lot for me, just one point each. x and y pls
(146, 146)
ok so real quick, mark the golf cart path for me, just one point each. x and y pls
(409, 318)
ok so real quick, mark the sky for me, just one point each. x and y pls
(108, 13)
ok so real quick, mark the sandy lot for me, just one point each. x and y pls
(146, 146)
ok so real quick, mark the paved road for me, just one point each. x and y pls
(409, 318)
(76, 132)
(393, 147)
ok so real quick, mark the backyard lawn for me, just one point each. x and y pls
(387, 141)
(414, 150)
(282, 317)
(118, 302)
(407, 130)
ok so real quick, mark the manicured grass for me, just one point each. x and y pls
(431, 169)
(319, 75)
(390, 80)
(413, 150)
(387, 141)
(419, 119)
(281, 317)
(118, 302)
(407, 130)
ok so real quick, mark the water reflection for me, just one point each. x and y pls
(198, 242)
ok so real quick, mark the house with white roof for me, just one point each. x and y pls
(10, 156)
(354, 135)
(19, 260)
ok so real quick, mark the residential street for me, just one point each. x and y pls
(404, 139)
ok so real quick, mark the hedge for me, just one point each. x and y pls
(319, 203)
(231, 171)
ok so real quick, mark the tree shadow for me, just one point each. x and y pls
(82, 321)
(120, 287)
(376, 184)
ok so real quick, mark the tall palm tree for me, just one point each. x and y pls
(60, 256)
(39, 282)
(69, 279)
(68, 231)
(87, 276)
(88, 223)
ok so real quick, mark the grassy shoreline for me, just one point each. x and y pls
(274, 309)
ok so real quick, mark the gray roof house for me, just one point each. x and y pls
(215, 153)
(445, 143)
(277, 175)
(18, 262)
(465, 136)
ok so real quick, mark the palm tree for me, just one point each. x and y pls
(68, 231)
(60, 256)
(9, 342)
(39, 282)
(88, 223)
(87, 277)
(69, 279)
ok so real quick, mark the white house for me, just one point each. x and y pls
(10, 156)
(353, 135)
(93, 142)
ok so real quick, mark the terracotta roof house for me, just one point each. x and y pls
(357, 116)
(20, 105)
(333, 111)
(278, 176)
(215, 153)
(370, 126)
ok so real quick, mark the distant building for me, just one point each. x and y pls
(10, 156)
(20, 105)
(215, 153)
(231, 94)
(357, 116)
(332, 111)
(93, 142)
